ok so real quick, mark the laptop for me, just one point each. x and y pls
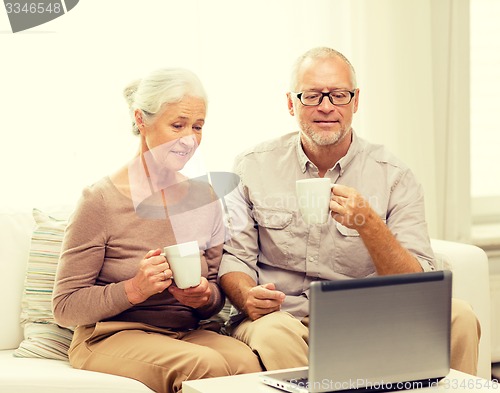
(374, 334)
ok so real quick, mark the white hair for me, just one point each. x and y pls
(163, 86)
(319, 53)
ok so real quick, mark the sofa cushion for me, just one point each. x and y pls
(42, 337)
(46, 241)
(44, 340)
(16, 227)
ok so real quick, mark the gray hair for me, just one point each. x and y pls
(321, 52)
(163, 86)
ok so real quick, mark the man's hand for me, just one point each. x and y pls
(349, 208)
(262, 300)
(252, 299)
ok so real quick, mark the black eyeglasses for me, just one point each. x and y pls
(336, 97)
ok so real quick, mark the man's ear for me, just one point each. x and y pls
(290, 104)
(356, 101)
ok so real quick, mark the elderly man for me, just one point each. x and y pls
(378, 224)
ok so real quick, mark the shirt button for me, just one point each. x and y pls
(312, 259)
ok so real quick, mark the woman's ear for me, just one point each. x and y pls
(139, 120)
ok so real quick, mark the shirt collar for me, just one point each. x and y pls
(353, 150)
(301, 155)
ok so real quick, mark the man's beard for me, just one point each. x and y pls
(326, 138)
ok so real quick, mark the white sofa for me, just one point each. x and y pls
(24, 374)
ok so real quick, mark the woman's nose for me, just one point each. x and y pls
(188, 140)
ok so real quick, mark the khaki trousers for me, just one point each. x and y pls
(281, 340)
(160, 358)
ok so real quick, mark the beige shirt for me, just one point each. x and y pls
(269, 240)
(105, 241)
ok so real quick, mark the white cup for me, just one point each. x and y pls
(185, 263)
(313, 199)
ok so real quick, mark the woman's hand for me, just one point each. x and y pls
(194, 297)
(154, 276)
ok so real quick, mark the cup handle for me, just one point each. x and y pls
(332, 185)
(163, 255)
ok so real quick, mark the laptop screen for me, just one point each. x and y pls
(379, 333)
(380, 330)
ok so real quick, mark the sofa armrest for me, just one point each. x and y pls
(471, 283)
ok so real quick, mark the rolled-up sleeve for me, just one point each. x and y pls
(241, 249)
(406, 219)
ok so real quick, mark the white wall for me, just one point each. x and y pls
(65, 123)
(485, 98)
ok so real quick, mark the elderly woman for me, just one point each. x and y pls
(114, 285)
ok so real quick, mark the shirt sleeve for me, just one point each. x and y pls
(241, 248)
(213, 256)
(76, 298)
(406, 219)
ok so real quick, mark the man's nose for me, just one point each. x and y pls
(326, 105)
